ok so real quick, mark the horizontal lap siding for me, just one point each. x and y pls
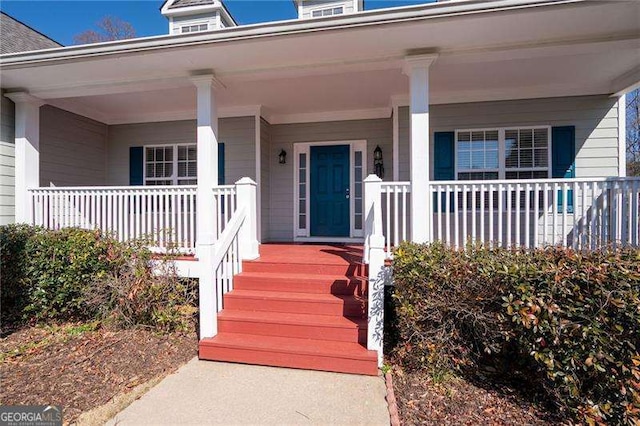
(237, 133)
(265, 177)
(7, 161)
(595, 119)
(283, 136)
(72, 149)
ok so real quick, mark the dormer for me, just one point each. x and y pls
(322, 8)
(193, 16)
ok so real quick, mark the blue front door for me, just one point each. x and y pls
(329, 191)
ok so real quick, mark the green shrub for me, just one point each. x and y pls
(572, 320)
(61, 265)
(14, 293)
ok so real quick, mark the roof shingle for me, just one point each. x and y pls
(18, 37)
(186, 3)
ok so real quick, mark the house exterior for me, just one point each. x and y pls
(501, 121)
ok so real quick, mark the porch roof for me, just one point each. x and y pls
(488, 50)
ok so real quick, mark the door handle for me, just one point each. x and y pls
(347, 193)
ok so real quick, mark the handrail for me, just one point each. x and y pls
(227, 236)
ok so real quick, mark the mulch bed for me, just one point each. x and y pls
(455, 401)
(81, 366)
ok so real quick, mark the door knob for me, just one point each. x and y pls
(347, 193)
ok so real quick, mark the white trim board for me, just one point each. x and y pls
(303, 234)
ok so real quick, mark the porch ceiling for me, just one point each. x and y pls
(563, 49)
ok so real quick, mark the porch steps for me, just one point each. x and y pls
(299, 308)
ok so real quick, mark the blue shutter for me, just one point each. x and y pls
(444, 155)
(220, 164)
(444, 146)
(136, 166)
(563, 159)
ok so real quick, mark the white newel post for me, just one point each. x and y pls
(27, 152)
(417, 69)
(207, 170)
(248, 234)
(375, 257)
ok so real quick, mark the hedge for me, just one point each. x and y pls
(78, 274)
(571, 320)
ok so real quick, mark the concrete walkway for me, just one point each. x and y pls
(206, 392)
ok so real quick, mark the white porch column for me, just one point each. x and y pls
(207, 170)
(417, 69)
(27, 152)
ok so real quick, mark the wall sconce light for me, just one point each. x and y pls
(378, 164)
(282, 157)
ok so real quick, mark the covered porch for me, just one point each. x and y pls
(207, 149)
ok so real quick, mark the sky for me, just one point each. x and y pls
(61, 20)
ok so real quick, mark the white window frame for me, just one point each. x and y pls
(324, 7)
(304, 234)
(193, 24)
(174, 178)
(502, 169)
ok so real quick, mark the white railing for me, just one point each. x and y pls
(165, 215)
(227, 260)
(395, 200)
(222, 259)
(577, 213)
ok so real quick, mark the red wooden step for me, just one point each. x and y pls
(301, 303)
(338, 268)
(299, 283)
(343, 357)
(302, 326)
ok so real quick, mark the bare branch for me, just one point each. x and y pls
(109, 28)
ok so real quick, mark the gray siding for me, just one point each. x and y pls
(7, 160)
(237, 133)
(595, 119)
(72, 149)
(265, 177)
(283, 136)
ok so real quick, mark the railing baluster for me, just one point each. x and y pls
(456, 212)
(465, 213)
(474, 213)
(491, 213)
(508, 213)
(500, 211)
(536, 215)
(396, 218)
(527, 217)
(574, 228)
(518, 241)
(388, 219)
(482, 214)
(404, 211)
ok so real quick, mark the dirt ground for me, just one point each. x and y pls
(455, 401)
(81, 366)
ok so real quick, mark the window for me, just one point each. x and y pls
(194, 28)
(327, 12)
(511, 153)
(170, 165)
(527, 153)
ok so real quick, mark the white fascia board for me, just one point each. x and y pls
(462, 8)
